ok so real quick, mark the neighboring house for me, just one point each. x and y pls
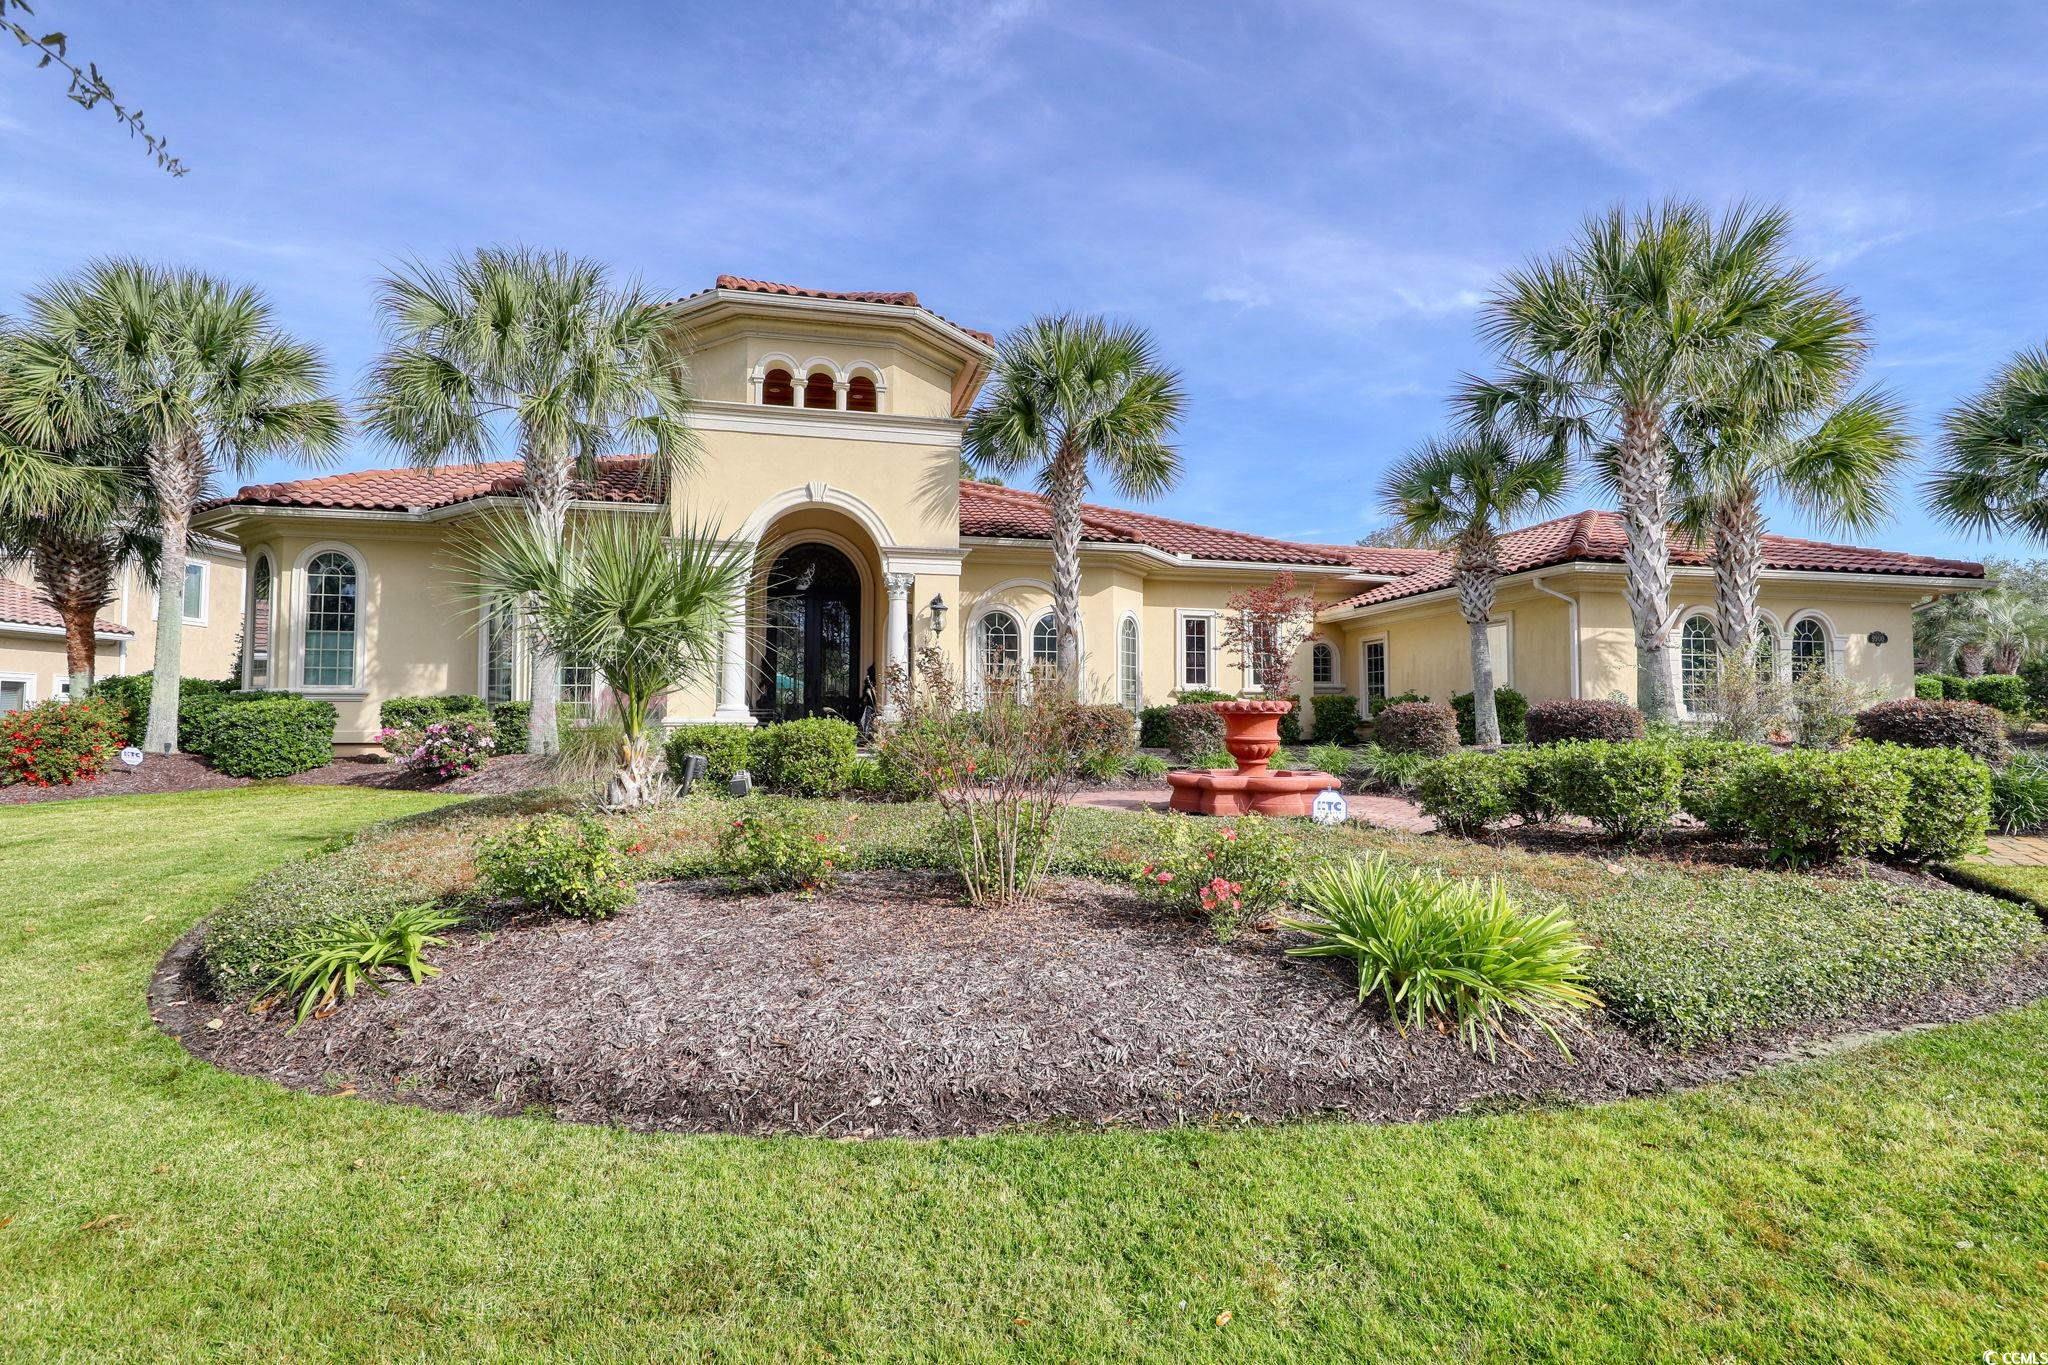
(32, 666)
(830, 429)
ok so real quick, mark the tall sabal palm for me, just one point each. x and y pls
(1646, 312)
(645, 610)
(1075, 397)
(200, 370)
(546, 345)
(1994, 472)
(1465, 490)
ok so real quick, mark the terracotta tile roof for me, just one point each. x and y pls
(417, 490)
(900, 298)
(22, 605)
(989, 510)
(1377, 559)
(1598, 537)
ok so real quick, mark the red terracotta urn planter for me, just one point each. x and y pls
(1251, 731)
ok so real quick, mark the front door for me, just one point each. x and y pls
(810, 662)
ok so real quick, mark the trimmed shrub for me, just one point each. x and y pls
(1196, 696)
(1152, 727)
(271, 737)
(1954, 687)
(1101, 739)
(197, 699)
(1464, 793)
(571, 867)
(416, 713)
(809, 757)
(2034, 672)
(1927, 687)
(1812, 805)
(1417, 727)
(1229, 872)
(1626, 789)
(1336, 719)
(2019, 794)
(1380, 704)
(1290, 724)
(774, 847)
(1977, 730)
(1948, 804)
(1510, 708)
(1563, 719)
(2006, 691)
(1531, 781)
(1192, 729)
(55, 743)
(726, 749)
(1705, 786)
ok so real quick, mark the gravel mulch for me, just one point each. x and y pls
(186, 773)
(889, 1009)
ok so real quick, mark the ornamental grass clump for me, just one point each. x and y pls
(1452, 954)
(332, 964)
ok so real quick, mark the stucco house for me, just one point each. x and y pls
(830, 428)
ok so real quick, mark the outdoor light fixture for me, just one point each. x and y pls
(938, 611)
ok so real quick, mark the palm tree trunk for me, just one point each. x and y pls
(1476, 573)
(1064, 486)
(76, 574)
(547, 503)
(1972, 659)
(1738, 570)
(177, 468)
(1644, 479)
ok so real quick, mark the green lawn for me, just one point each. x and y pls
(2029, 884)
(1884, 1204)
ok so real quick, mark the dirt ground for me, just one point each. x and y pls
(185, 773)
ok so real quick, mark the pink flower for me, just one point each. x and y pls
(1164, 878)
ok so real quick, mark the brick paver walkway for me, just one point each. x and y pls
(2016, 850)
(1386, 812)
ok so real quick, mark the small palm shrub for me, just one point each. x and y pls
(1948, 804)
(809, 757)
(777, 848)
(271, 736)
(1336, 719)
(727, 749)
(1191, 730)
(333, 963)
(2006, 691)
(570, 867)
(1510, 707)
(1814, 805)
(1231, 872)
(1436, 950)
(1564, 719)
(1417, 727)
(1625, 789)
(2019, 794)
(1976, 729)
(1464, 793)
(56, 743)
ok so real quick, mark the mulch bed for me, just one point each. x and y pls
(889, 1009)
(187, 773)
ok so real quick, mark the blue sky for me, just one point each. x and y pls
(1306, 203)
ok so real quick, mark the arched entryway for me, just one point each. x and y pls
(811, 657)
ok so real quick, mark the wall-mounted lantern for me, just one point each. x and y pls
(938, 611)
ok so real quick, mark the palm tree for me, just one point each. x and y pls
(1645, 313)
(647, 611)
(1994, 475)
(546, 344)
(200, 370)
(1071, 392)
(1466, 490)
(1996, 628)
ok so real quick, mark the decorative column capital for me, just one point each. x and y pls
(899, 585)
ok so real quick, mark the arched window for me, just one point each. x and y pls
(1045, 643)
(1322, 664)
(1001, 646)
(820, 392)
(776, 389)
(1127, 663)
(1809, 647)
(1697, 655)
(860, 394)
(1766, 649)
(332, 616)
(259, 624)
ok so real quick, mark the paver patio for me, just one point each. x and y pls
(1383, 812)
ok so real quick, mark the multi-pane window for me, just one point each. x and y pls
(1766, 649)
(1001, 646)
(1375, 670)
(501, 652)
(1809, 648)
(579, 689)
(13, 694)
(1045, 644)
(1194, 651)
(1322, 665)
(1127, 662)
(259, 623)
(195, 590)
(331, 620)
(1696, 660)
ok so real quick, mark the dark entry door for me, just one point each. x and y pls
(811, 663)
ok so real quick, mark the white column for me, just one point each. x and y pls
(896, 644)
(732, 665)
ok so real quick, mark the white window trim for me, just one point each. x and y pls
(1836, 642)
(1504, 667)
(1336, 683)
(300, 615)
(521, 684)
(1365, 672)
(977, 658)
(28, 687)
(1687, 617)
(1130, 618)
(205, 593)
(261, 553)
(1181, 617)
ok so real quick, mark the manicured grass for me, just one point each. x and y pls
(2028, 884)
(1883, 1204)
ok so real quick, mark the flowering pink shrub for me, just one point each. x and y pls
(443, 749)
(1229, 872)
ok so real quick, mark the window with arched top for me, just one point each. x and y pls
(777, 389)
(259, 623)
(1809, 647)
(1045, 643)
(820, 391)
(1002, 647)
(1697, 656)
(1766, 649)
(332, 615)
(860, 394)
(1322, 664)
(1127, 663)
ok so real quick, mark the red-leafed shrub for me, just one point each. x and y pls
(1977, 730)
(58, 742)
(1553, 722)
(1417, 727)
